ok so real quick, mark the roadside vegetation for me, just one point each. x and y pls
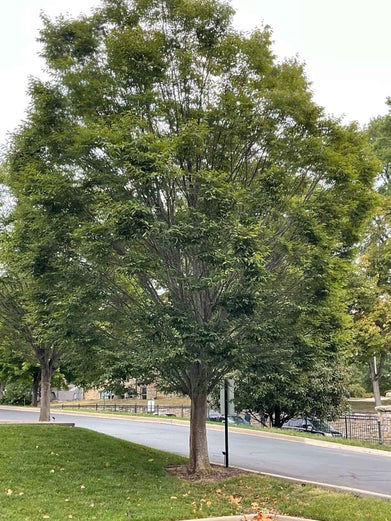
(58, 473)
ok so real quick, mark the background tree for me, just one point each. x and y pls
(198, 173)
(44, 297)
(305, 335)
(372, 283)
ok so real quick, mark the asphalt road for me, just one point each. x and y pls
(297, 458)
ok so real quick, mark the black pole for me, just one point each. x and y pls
(226, 420)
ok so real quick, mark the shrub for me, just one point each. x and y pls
(357, 391)
(16, 394)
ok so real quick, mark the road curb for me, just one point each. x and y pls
(21, 422)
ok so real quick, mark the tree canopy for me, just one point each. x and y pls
(198, 182)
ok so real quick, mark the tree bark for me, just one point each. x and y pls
(46, 377)
(35, 390)
(376, 374)
(199, 457)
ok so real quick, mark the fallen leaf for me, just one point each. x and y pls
(261, 517)
(9, 492)
(173, 497)
(82, 486)
(233, 499)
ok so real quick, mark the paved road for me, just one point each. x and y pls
(302, 460)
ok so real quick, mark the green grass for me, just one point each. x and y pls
(61, 473)
(365, 406)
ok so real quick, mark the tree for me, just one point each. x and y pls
(304, 334)
(199, 174)
(44, 298)
(29, 337)
(372, 283)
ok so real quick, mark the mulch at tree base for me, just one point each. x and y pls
(217, 473)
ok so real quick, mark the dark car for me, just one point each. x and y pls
(237, 420)
(312, 425)
(215, 416)
(232, 419)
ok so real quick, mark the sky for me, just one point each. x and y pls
(344, 44)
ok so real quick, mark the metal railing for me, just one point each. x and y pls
(182, 411)
(358, 426)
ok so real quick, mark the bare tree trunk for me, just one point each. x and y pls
(46, 376)
(376, 374)
(199, 457)
(35, 390)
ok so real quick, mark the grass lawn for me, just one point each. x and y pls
(61, 473)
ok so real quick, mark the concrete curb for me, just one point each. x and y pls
(21, 422)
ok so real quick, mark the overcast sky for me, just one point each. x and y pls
(345, 45)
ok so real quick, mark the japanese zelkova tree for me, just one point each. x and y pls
(199, 173)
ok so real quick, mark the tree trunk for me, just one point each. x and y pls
(35, 390)
(199, 457)
(375, 378)
(46, 376)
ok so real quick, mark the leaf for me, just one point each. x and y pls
(262, 517)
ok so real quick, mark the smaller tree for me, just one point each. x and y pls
(372, 328)
(371, 285)
(288, 391)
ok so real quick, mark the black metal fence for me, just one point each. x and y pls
(183, 411)
(363, 427)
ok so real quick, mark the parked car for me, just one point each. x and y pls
(232, 419)
(215, 416)
(237, 420)
(312, 425)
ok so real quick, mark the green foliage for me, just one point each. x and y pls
(356, 391)
(16, 393)
(370, 285)
(180, 193)
(288, 389)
